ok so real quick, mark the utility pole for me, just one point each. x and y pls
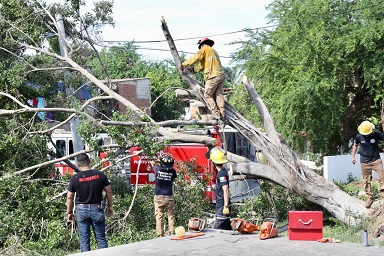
(77, 142)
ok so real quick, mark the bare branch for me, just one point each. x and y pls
(46, 163)
(14, 99)
(163, 123)
(47, 69)
(29, 110)
(85, 104)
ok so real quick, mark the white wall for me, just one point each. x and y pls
(338, 167)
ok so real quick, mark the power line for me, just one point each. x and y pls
(189, 38)
(178, 5)
(167, 50)
(213, 35)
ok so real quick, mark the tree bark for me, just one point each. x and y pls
(284, 166)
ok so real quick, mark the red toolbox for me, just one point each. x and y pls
(305, 225)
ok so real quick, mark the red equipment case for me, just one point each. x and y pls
(305, 225)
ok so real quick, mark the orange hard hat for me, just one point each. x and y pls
(205, 40)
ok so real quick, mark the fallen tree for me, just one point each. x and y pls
(284, 166)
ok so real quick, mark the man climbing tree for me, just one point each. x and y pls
(208, 61)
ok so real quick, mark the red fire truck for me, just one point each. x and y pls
(141, 170)
(234, 142)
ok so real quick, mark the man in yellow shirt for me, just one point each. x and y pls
(208, 61)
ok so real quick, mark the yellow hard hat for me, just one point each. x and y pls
(366, 128)
(217, 156)
(180, 231)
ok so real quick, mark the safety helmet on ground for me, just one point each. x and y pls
(166, 160)
(366, 128)
(180, 231)
(217, 157)
(205, 41)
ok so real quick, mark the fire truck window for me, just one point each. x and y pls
(71, 151)
(61, 150)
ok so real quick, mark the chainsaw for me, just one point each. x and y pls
(243, 226)
(196, 224)
(268, 229)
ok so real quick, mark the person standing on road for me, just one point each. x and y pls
(368, 140)
(222, 189)
(88, 185)
(209, 62)
(164, 199)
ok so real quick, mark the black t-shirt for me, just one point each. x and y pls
(164, 180)
(222, 179)
(369, 146)
(88, 186)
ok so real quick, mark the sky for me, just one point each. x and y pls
(221, 21)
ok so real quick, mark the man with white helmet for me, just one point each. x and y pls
(222, 189)
(368, 140)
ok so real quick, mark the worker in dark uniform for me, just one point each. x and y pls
(164, 202)
(89, 184)
(222, 190)
(368, 140)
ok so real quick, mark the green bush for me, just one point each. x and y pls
(274, 201)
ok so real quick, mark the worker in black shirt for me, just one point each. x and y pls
(164, 202)
(89, 184)
(368, 140)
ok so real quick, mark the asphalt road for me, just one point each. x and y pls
(225, 243)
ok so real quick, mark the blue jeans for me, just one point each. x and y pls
(87, 215)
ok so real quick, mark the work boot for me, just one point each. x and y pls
(216, 115)
(369, 202)
(222, 115)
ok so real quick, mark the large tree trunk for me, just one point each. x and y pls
(284, 165)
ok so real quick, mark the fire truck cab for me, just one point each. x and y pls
(63, 142)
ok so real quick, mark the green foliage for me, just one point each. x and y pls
(27, 207)
(88, 132)
(338, 230)
(319, 70)
(16, 143)
(348, 188)
(164, 81)
(190, 198)
(143, 136)
(275, 201)
(239, 97)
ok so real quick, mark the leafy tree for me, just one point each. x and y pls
(240, 98)
(319, 69)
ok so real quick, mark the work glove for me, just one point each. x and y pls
(226, 210)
